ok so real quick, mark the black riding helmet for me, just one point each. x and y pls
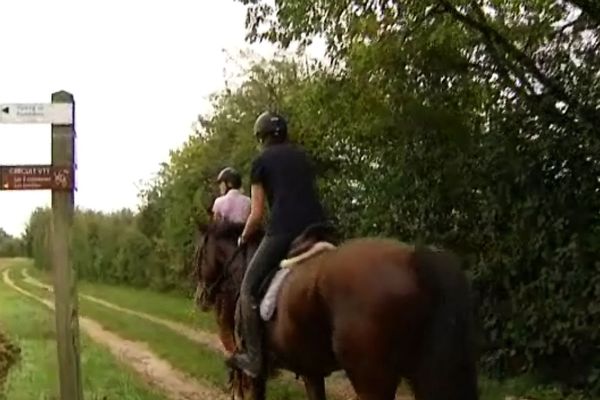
(231, 177)
(269, 124)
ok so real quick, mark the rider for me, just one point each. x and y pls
(232, 205)
(283, 176)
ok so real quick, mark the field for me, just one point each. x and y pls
(136, 344)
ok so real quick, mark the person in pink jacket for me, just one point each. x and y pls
(232, 205)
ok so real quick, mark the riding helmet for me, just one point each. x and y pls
(270, 124)
(231, 177)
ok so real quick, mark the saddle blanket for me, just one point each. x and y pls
(269, 301)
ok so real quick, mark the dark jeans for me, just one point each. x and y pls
(270, 252)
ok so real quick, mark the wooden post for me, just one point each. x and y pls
(65, 290)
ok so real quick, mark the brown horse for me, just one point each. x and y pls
(376, 308)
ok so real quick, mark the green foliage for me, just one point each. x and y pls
(105, 247)
(10, 246)
(442, 122)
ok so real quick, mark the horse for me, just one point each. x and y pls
(376, 308)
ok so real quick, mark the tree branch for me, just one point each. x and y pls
(590, 7)
(492, 36)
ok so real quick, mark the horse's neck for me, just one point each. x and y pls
(240, 264)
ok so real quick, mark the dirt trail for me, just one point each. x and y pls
(337, 385)
(154, 370)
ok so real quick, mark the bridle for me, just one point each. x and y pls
(209, 291)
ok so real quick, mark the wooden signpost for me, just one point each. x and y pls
(59, 177)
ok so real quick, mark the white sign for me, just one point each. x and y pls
(36, 113)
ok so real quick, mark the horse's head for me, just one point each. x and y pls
(220, 264)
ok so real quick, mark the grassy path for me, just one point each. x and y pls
(31, 327)
(154, 370)
(201, 337)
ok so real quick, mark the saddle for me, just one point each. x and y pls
(320, 232)
(313, 240)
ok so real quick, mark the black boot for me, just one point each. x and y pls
(251, 361)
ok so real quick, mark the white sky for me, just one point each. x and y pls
(140, 71)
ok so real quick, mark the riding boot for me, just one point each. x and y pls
(251, 361)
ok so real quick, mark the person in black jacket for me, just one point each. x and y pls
(282, 176)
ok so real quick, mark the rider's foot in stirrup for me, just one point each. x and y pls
(245, 363)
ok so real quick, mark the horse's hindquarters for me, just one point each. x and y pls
(378, 314)
(358, 303)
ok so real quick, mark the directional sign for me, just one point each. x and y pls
(35, 177)
(36, 113)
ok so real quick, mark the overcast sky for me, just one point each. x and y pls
(140, 71)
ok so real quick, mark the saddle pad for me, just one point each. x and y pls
(316, 249)
(269, 301)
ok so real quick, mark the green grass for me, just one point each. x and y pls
(30, 326)
(203, 364)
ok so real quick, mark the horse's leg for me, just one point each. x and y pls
(374, 385)
(227, 339)
(315, 387)
(258, 388)
(236, 384)
(377, 384)
(225, 322)
(364, 354)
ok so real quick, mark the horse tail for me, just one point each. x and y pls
(448, 369)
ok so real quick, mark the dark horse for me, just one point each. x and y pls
(376, 308)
